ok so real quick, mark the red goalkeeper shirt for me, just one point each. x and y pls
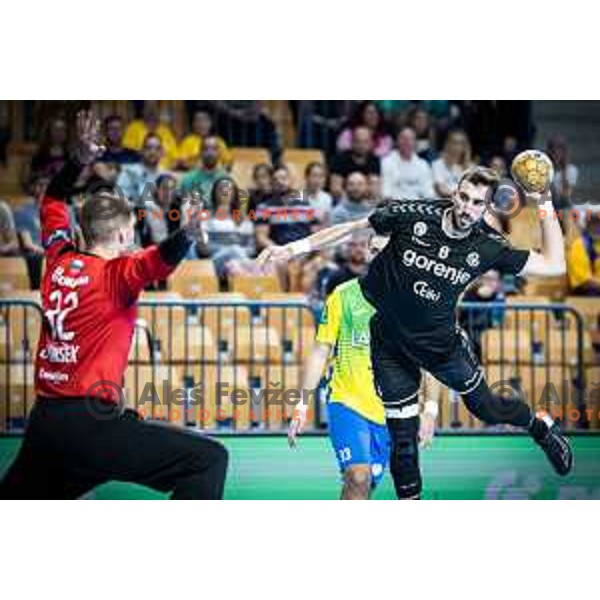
(89, 306)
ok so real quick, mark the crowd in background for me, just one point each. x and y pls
(374, 150)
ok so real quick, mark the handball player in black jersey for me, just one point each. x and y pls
(437, 249)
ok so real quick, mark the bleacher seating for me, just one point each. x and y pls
(16, 394)
(20, 326)
(14, 277)
(499, 345)
(141, 344)
(194, 279)
(297, 159)
(589, 308)
(244, 160)
(146, 384)
(255, 286)
(534, 319)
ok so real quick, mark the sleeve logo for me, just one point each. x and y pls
(473, 259)
(420, 229)
(58, 235)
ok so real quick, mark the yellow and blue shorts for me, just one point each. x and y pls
(357, 440)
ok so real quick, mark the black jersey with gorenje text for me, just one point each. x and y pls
(416, 281)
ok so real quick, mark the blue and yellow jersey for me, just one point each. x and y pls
(345, 326)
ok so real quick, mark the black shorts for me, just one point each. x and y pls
(397, 366)
(71, 447)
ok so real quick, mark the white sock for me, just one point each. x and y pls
(544, 416)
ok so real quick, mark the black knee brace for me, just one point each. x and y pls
(404, 459)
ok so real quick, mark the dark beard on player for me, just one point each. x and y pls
(458, 226)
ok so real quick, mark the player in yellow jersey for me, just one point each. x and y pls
(357, 425)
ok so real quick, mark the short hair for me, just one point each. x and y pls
(150, 136)
(480, 176)
(211, 136)
(407, 128)
(262, 167)
(361, 128)
(313, 165)
(103, 212)
(281, 167)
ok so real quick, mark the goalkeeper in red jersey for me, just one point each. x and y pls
(78, 436)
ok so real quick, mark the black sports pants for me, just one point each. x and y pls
(71, 446)
(397, 373)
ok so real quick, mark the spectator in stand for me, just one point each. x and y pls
(156, 226)
(262, 176)
(420, 121)
(230, 235)
(319, 121)
(245, 123)
(315, 176)
(565, 173)
(355, 205)
(454, 161)
(191, 146)
(27, 218)
(52, 152)
(113, 140)
(284, 216)
(359, 158)
(138, 130)
(583, 259)
(207, 172)
(510, 148)
(9, 243)
(138, 181)
(355, 264)
(403, 173)
(368, 114)
(498, 164)
(27, 223)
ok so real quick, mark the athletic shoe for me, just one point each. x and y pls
(557, 448)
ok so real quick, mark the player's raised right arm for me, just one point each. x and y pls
(550, 262)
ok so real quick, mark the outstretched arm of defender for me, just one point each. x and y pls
(54, 213)
(314, 368)
(330, 236)
(550, 262)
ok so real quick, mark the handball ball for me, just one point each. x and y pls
(533, 171)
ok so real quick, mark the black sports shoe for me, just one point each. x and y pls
(556, 447)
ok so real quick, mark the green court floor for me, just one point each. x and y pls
(456, 467)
